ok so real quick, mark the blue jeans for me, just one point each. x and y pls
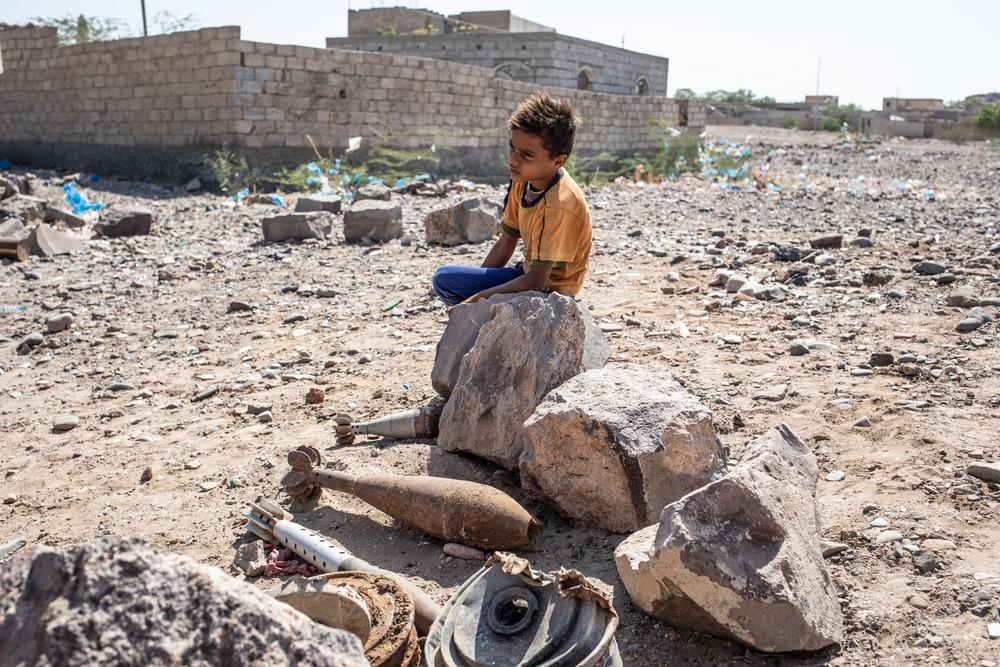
(455, 283)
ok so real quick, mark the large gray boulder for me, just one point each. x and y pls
(460, 335)
(612, 446)
(297, 226)
(470, 221)
(740, 558)
(373, 220)
(530, 345)
(124, 602)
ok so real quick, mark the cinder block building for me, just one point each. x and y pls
(513, 47)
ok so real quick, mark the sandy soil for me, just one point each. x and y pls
(152, 312)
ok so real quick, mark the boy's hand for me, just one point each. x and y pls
(472, 299)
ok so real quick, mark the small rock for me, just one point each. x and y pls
(374, 191)
(208, 486)
(29, 342)
(835, 476)
(831, 548)
(147, 475)
(925, 561)
(864, 422)
(311, 203)
(918, 601)
(993, 630)
(297, 226)
(988, 472)
(929, 268)
(888, 536)
(463, 552)
(775, 393)
(265, 417)
(125, 222)
(257, 408)
(65, 422)
(207, 393)
(251, 558)
(880, 359)
(59, 322)
(315, 396)
(238, 307)
(828, 241)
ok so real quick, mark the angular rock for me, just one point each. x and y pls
(53, 214)
(311, 203)
(142, 606)
(471, 221)
(974, 319)
(459, 336)
(296, 226)
(125, 222)
(531, 345)
(373, 191)
(373, 220)
(12, 228)
(65, 422)
(612, 446)
(251, 558)
(740, 558)
(876, 278)
(44, 241)
(963, 297)
(27, 208)
(827, 241)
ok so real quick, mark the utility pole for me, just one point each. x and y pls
(145, 32)
(819, 64)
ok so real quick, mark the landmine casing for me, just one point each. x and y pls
(271, 522)
(509, 615)
(452, 510)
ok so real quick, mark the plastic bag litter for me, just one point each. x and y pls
(78, 201)
(277, 199)
(5, 164)
(241, 195)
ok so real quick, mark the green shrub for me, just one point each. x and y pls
(790, 123)
(230, 170)
(831, 124)
(988, 117)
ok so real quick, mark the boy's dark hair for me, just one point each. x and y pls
(553, 120)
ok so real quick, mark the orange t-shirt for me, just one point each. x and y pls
(555, 229)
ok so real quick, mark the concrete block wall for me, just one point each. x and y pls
(171, 90)
(153, 107)
(547, 59)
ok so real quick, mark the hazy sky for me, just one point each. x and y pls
(868, 49)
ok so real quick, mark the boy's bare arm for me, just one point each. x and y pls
(501, 252)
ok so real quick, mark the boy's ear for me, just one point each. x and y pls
(560, 160)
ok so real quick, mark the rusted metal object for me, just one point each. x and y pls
(453, 510)
(419, 422)
(13, 248)
(271, 522)
(508, 615)
(390, 637)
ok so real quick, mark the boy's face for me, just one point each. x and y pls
(529, 160)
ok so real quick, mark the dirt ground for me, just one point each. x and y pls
(151, 312)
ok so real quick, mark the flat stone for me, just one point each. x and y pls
(827, 241)
(297, 226)
(773, 394)
(988, 472)
(929, 268)
(373, 220)
(53, 214)
(612, 446)
(962, 297)
(125, 222)
(828, 548)
(530, 345)
(470, 221)
(835, 476)
(740, 558)
(65, 422)
(314, 203)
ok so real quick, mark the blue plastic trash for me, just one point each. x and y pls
(78, 202)
(314, 168)
(401, 183)
(241, 195)
(277, 199)
(5, 164)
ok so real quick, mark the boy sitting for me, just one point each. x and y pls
(544, 207)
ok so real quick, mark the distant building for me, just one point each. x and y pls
(910, 104)
(822, 100)
(513, 47)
